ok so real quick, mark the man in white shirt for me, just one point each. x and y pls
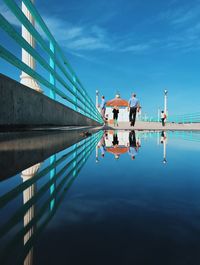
(133, 105)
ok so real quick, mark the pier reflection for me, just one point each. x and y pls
(119, 142)
(33, 202)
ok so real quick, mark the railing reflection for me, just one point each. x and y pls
(43, 189)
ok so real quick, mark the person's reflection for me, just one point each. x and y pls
(133, 149)
(163, 139)
(138, 142)
(102, 144)
(115, 143)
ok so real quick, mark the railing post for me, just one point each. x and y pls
(75, 91)
(26, 79)
(85, 107)
(52, 175)
(52, 65)
(75, 162)
(28, 194)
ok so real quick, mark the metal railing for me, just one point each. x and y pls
(185, 118)
(51, 184)
(181, 118)
(62, 82)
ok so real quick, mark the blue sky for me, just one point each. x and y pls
(142, 46)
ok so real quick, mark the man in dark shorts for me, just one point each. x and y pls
(133, 105)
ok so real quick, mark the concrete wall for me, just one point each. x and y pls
(22, 106)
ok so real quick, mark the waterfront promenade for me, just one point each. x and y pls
(140, 125)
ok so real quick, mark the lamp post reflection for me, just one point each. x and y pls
(163, 140)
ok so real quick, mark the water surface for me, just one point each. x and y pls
(111, 198)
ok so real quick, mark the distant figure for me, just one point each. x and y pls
(133, 105)
(132, 151)
(103, 108)
(163, 117)
(115, 115)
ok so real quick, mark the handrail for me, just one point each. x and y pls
(179, 118)
(68, 82)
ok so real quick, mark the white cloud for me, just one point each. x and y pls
(185, 16)
(78, 38)
(89, 38)
(136, 48)
(4, 10)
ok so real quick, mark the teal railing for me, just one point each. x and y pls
(57, 75)
(185, 118)
(50, 185)
(182, 118)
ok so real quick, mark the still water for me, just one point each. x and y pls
(108, 198)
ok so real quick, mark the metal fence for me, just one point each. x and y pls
(61, 81)
(182, 118)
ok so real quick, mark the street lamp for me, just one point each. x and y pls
(159, 110)
(97, 99)
(165, 101)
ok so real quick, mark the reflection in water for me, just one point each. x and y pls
(118, 143)
(56, 177)
(163, 140)
(102, 144)
(132, 150)
(32, 203)
(29, 215)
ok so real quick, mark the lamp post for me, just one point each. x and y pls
(97, 99)
(26, 79)
(158, 114)
(165, 101)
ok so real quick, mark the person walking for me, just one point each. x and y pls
(103, 108)
(163, 117)
(133, 105)
(115, 115)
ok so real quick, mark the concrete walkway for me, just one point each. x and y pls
(155, 126)
(148, 126)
